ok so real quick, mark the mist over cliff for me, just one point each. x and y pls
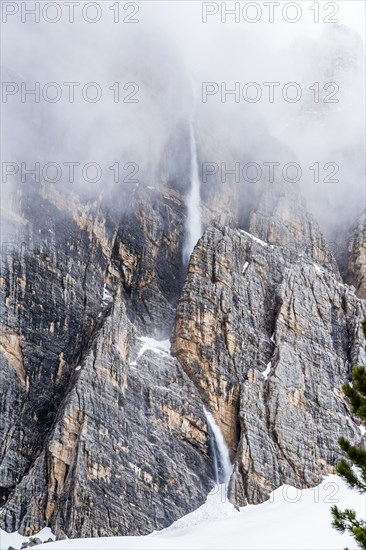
(183, 271)
(154, 76)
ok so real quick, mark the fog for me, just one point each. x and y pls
(161, 63)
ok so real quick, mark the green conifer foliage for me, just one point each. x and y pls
(355, 477)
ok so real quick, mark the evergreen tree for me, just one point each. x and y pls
(346, 520)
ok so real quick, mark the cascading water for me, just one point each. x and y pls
(193, 226)
(220, 451)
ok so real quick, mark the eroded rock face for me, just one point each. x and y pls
(99, 439)
(126, 445)
(147, 257)
(95, 441)
(52, 281)
(281, 218)
(269, 341)
(356, 257)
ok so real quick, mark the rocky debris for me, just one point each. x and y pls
(33, 541)
(269, 342)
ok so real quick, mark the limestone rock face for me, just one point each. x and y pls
(96, 440)
(51, 295)
(102, 428)
(281, 218)
(269, 340)
(147, 257)
(130, 436)
(356, 258)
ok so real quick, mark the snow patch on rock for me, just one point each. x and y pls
(267, 371)
(259, 241)
(16, 540)
(157, 346)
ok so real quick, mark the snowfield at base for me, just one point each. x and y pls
(16, 540)
(291, 519)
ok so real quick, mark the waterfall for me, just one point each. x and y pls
(220, 451)
(193, 227)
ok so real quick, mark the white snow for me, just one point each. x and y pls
(157, 346)
(245, 267)
(267, 371)
(78, 367)
(259, 241)
(107, 297)
(362, 429)
(16, 540)
(318, 268)
(291, 519)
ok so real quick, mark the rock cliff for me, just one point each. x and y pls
(85, 420)
(269, 340)
(355, 272)
(102, 428)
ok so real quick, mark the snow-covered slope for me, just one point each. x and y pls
(15, 540)
(291, 519)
